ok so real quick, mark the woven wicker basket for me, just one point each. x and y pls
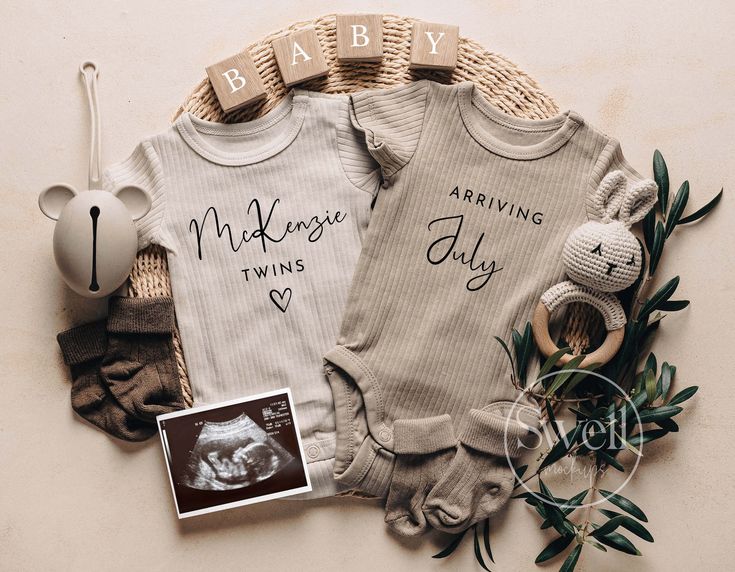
(506, 86)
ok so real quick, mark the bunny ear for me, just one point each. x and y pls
(609, 195)
(638, 200)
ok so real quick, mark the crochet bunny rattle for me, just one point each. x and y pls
(601, 257)
(95, 241)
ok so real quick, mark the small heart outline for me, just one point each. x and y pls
(282, 296)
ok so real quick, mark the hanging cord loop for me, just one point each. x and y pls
(90, 72)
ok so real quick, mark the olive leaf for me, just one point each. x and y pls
(486, 540)
(507, 351)
(683, 395)
(658, 413)
(524, 346)
(624, 504)
(602, 456)
(664, 380)
(673, 305)
(647, 436)
(661, 176)
(520, 471)
(662, 295)
(595, 544)
(677, 207)
(478, 551)
(571, 560)
(609, 526)
(452, 546)
(651, 363)
(630, 524)
(650, 383)
(551, 361)
(649, 224)
(554, 548)
(657, 247)
(561, 447)
(564, 374)
(696, 215)
(669, 424)
(619, 542)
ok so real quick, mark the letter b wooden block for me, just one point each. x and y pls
(434, 46)
(300, 57)
(236, 82)
(360, 37)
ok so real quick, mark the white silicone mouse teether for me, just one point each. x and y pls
(601, 257)
(95, 240)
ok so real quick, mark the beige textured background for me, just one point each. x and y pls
(654, 74)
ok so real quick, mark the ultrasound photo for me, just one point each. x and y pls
(231, 455)
(235, 453)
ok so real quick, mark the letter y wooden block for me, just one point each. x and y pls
(434, 46)
(236, 82)
(300, 57)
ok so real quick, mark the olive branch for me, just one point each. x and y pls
(644, 402)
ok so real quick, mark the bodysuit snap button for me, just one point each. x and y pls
(384, 435)
(312, 452)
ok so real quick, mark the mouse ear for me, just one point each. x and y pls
(609, 195)
(638, 200)
(136, 199)
(53, 200)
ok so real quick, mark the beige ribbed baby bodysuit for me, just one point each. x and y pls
(263, 224)
(464, 238)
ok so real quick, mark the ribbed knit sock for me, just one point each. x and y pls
(479, 481)
(83, 348)
(424, 450)
(139, 366)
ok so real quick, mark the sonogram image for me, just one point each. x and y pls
(232, 454)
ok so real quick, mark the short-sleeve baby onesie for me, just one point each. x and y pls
(263, 223)
(465, 236)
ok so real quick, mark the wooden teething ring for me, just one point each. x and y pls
(566, 292)
(602, 355)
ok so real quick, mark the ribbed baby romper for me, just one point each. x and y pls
(465, 236)
(263, 224)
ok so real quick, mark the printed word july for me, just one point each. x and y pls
(445, 247)
(263, 232)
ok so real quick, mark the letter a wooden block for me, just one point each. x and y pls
(236, 82)
(360, 37)
(300, 57)
(434, 46)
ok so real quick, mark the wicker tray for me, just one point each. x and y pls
(506, 86)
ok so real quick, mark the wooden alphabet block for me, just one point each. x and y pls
(236, 82)
(359, 37)
(434, 46)
(300, 57)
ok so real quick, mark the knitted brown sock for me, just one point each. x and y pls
(479, 481)
(83, 348)
(139, 366)
(424, 449)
